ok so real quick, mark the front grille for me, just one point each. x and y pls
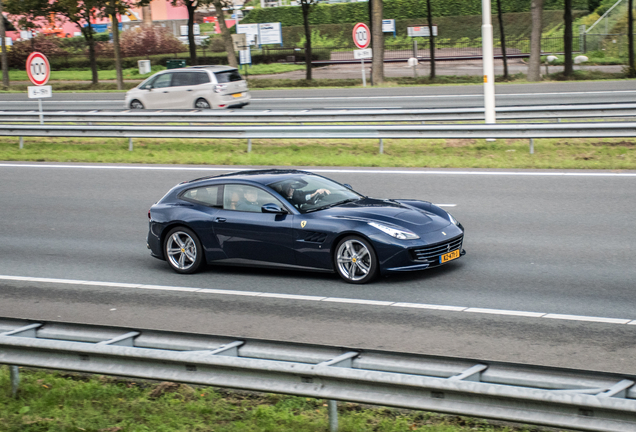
(431, 253)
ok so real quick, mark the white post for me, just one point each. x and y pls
(488, 59)
(364, 75)
(40, 105)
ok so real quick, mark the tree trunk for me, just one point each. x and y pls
(305, 9)
(630, 38)
(90, 40)
(534, 66)
(502, 37)
(115, 28)
(225, 33)
(192, 46)
(429, 15)
(3, 52)
(146, 14)
(377, 39)
(567, 39)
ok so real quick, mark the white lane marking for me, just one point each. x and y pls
(448, 308)
(330, 170)
(445, 205)
(587, 318)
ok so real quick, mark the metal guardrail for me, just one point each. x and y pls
(371, 131)
(582, 400)
(326, 116)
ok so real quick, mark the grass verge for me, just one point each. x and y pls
(610, 154)
(63, 402)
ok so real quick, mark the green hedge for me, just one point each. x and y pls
(393, 9)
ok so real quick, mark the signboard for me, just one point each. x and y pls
(38, 69)
(421, 31)
(239, 41)
(37, 92)
(361, 35)
(245, 56)
(184, 30)
(270, 33)
(363, 54)
(388, 26)
(8, 41)
(250, 31)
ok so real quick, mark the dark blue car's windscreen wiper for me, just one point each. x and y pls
(334, 204)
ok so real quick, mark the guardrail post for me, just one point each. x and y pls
(381, 146)
(531, 145)
(249, 145)
(130, 144)
(15, 379)
(333, 415)
(21, 143)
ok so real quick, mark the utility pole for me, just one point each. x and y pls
(488, 59)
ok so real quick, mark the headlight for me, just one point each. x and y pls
(220, 88)
(394, 232)
(453, 220)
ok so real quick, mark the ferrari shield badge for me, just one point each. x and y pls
(303, 223)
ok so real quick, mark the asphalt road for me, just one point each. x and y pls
(372, 97)
(554, 244)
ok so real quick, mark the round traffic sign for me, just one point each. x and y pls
(38, 69)
(361, 35)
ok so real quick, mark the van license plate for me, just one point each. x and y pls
(449, 256)
(237, 95)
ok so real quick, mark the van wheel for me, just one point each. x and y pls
(202, 104)
(135, 104)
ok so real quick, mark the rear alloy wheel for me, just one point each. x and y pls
(355, 260)
(135, 104)
(202, 104)
(183, 250)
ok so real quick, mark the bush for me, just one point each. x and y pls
(144, 41)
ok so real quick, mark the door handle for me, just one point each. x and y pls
(189, 89)
(220, 219)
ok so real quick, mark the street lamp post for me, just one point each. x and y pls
(488, 60)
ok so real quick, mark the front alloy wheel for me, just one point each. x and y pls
(355, 260)
(136, 104)
(183, 250)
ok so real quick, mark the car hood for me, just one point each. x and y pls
(388, 211)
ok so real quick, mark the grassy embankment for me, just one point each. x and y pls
(59, 402)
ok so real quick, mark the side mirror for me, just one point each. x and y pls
(347, 185)
(273, 208)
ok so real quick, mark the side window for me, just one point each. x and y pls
(201, 78)
(211, 196)
(162, 81)
(181, 79)
(247, 198)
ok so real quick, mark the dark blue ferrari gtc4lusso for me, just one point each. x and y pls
(300, 220)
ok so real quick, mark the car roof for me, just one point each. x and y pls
(213, 68)
(264, 177)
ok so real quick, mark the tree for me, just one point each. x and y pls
(305, 6)
(225, 32)
(534, 66)
(377, 37)
(567, 39)
(3, 51)
(429, 16)
(502, 37)
(114, 22)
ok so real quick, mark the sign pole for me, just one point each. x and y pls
(488, 60)
(41, 115)
(364, 75)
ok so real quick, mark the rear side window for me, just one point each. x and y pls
(189, 78)
(228, 76)
(211, 196)
(201, 77)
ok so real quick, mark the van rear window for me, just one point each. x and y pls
(228, 76)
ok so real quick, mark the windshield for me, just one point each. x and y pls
(309, 193)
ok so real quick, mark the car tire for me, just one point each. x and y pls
(183, 251)
(355, 260)
(202, 104)
(136, 104)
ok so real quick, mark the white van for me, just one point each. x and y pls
(203, 87)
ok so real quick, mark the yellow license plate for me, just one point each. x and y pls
(237, 95)
(449, 256)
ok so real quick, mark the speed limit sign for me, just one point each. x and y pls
(38, 69)
(361, 35)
